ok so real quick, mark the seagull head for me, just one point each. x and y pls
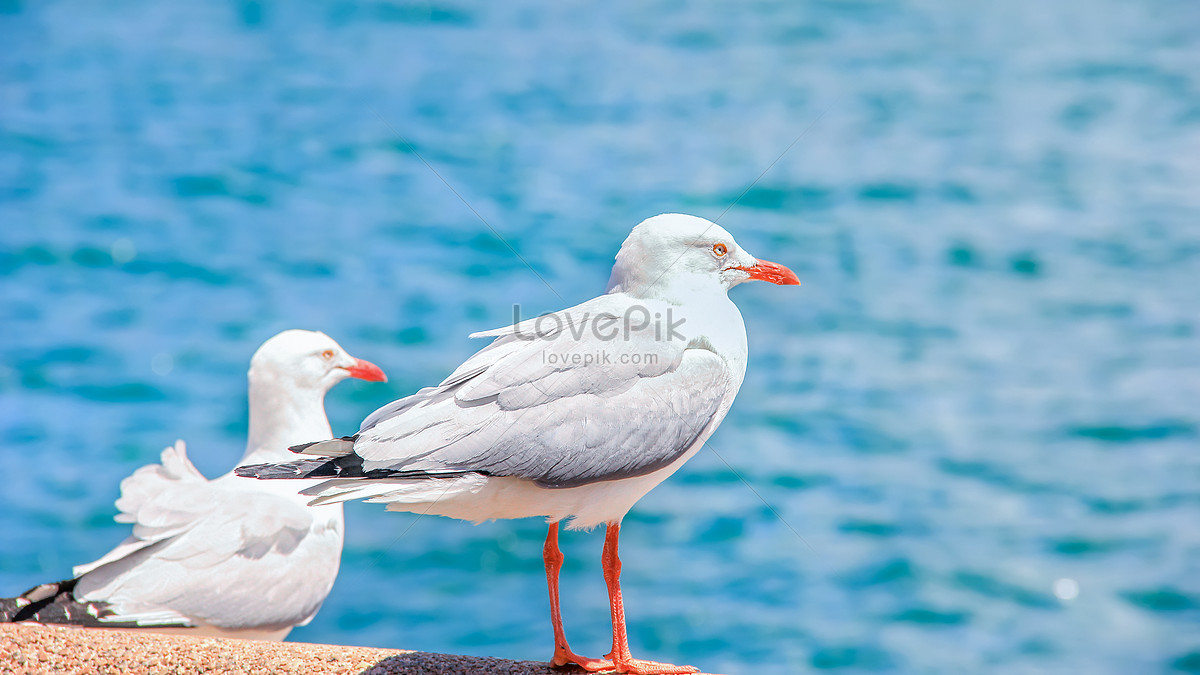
(673, 254)
(308, 360)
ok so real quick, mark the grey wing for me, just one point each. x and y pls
(562, 410)
(395, 408)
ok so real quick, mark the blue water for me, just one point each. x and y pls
(989, 381)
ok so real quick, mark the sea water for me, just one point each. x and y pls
(967, 444)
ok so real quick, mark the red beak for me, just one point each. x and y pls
(765, 270)
(365, 370)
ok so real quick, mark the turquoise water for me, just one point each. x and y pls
(987, 384)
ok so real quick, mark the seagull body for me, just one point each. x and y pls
(226, 556)
(558, 482)
(572, 416)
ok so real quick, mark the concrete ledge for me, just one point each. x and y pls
(35, 649)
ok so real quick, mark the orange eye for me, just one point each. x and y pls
(720, 249)
(327, 354)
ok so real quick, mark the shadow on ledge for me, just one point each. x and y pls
(424, 663)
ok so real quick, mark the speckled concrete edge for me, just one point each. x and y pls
(37, 649)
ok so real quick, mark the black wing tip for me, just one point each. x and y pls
(55, 603)
(52, 602)
(322, 467)
(300, 448)
(250, 470)
(259, 471)
(269, 471)
(297, 469)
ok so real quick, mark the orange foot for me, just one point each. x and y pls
(563, 657)
(641, 667)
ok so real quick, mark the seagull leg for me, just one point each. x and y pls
(562, 652)
(622, 659)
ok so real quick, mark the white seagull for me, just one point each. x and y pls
(572, 415)
(227, 556)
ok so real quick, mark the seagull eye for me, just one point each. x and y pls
(720, 250)
(327, 354)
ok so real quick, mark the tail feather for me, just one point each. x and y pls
(398, 493)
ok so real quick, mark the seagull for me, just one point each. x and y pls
(224, 557)
(571, 416)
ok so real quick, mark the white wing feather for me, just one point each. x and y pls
(209, 552)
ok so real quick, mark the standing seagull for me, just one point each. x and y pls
(224, 557)
(576, 414)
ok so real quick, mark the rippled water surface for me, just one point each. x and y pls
(987, 385)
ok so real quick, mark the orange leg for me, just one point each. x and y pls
(622, 659)
(562, 652)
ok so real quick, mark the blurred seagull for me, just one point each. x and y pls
(226, 557)
(573, 415)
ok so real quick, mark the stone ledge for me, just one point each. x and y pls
(36, 649)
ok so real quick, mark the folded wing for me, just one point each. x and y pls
(201, 551)
(595, 392)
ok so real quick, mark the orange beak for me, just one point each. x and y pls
(365, 370)
(765, 270)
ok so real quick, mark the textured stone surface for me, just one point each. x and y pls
(34, 648)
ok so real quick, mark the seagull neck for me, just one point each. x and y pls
(281, 416)
(677, 289)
